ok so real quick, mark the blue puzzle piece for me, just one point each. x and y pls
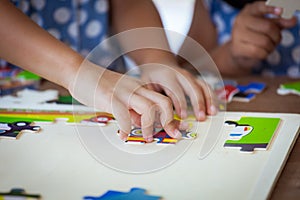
(254, 87)
(133, 194)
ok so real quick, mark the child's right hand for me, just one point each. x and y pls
(126, 98)
(254, 35)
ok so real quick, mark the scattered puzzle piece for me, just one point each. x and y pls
(289, 6)
(252, 133)
(226, 94)
(242, 93)
(243, 97)
(160, 137)
(133, 194)
(253, 87)
(14, 130)
(18, 194)
(289, 88)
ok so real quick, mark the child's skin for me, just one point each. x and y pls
(254, 36)
(27, 45)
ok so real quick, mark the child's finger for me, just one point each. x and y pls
(171, 129)
(175, 92)
(135, 118)
(146, 109)
(121, 113)
(209, 97)
(195, 94)
(164, 109)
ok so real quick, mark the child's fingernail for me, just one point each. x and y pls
(123, 137)
(183, 114)
(201, 115)
(213, 110)
(177, 134)
(183, 125)
(149, 139)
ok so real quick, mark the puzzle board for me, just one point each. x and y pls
(62, 162)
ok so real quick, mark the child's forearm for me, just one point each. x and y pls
(25, 44)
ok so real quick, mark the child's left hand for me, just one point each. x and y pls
(177, 83)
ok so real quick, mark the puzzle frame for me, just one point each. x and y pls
(227, 171)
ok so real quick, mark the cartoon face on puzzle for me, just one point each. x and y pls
(159, 136)
(12, 130)
(239, 131)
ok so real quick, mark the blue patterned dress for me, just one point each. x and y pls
(285, 60)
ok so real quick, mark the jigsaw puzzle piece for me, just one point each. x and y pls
(289, 88)
(243, 97)
(251, 133)
(289, 6)
(247, 148)
(226, 94)
(159, 136)
(19, 194)
(101, 119)
(135, 137)
(14, 130)
(239, 131)
(163, 138)
(253, 87)
(188, 134)
(133, 194)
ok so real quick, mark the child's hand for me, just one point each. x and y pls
(177, 83)
(126, 98)
(255, 35)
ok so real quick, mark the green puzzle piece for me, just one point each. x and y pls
(261, 135)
